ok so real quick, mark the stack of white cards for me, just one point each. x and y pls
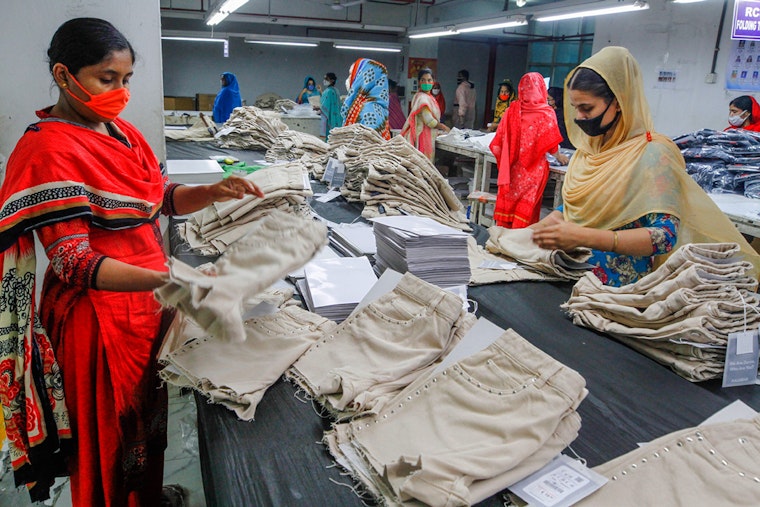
(333, 287)
(354, 240)
(431, 251)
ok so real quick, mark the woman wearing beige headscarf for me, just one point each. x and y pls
(626, 195)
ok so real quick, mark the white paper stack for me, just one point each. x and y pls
(333, 287)
(194, 171)
(432, 251)
(354, 240)
(324, 253)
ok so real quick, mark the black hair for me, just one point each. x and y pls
(586, 80)
(392, 85)
(744, 103)
(81, 42)
(424, 71)
(465, 74)
(332, 77)
(555, 92)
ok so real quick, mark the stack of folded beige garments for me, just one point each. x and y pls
(401, 180)
(680, 314)
(267, 100)
(348, 144)
(281, 104)
(198, 131)
(294, 145)
(251, 129)
(211, 230)
(532, 263)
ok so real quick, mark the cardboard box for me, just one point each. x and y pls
(204, 101)
(179, 104)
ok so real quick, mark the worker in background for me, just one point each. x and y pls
(228, 98)
(310, 89)
(396, 116)
(464, 108)
(504, 98)
(330, 104)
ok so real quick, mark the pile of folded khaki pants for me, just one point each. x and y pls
(310, 150)
(198, 131)
(533, 262)
(401, 180)
(680, 314)
(347, 144)
(211, 230)
(410, 431)
(710, 465)
(251, 129)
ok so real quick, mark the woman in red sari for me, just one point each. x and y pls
(744, 113)
(425, 119)
(526, 133)
(81, 369)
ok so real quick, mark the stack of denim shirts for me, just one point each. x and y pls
(251, 128)
(290, 145)
(680, 314)
(211, 230)
(401, 180)
(412, 429)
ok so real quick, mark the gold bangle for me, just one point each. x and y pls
(614, 241)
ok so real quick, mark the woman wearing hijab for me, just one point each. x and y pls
(504, 98)
(310, 89)
(227, 99)
(556, 102)
(330, 104)
(744, 113)
(525, 135)
(626, 195)
(425, 118)
(367, 100)
(438, 94)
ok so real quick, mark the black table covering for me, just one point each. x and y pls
(278, 460)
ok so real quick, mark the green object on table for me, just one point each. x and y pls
(239, 169)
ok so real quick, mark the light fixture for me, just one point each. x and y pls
(686, 1)
(222, 9)
(490, 25)
(521, 3)
(638, 5)
(358, 46)
(189, 38)
(283, 43)
(449, 30)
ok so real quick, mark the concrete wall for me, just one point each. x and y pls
(680, 37)
(25, 35)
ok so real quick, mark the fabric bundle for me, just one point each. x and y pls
(251, 128)
(347, 144)
(237, 374)
(461, 433)
(680, 314)
(211, 230)
(382, 347)
(267, 100)
(276, 245)
(401, 180)
(518, 244)
(294, 145)
(197, 131)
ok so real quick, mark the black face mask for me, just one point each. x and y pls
(593, 126)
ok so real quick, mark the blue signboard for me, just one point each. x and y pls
(746, 24)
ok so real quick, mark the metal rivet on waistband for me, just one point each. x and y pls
(634, 465)
(657, 455)
(742, 474)
(614, 477)
(393, 412)
(385, 416)
(742, 440)
(435, 379)
(756, 479)
(444, 373)
(409, 398)
(689, 439)
(725, 463)
(426, 386)
(712, 451)
(366, 425)
(643, 460)
(400, 405)
(666, 449)
(417, 392)
(679, 444)
(269, 332)
(624, 472)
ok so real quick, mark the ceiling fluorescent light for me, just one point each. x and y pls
(515, 21)
(635, 6)
(196, 39)
(387, 49)
(284, 43)
(687, 1)
(439, 33)
(223, 9)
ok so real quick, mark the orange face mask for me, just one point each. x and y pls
(503, 96)
(106, 105)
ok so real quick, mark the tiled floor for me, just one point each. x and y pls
(182, 461)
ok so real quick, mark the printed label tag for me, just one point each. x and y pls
(561, 483)
(741, 359)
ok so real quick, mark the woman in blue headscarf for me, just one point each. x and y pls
(310, 89)
(330, 104)
(367, 100)
(227, 99)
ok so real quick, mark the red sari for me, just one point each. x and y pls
(525, 134)
(90, 196)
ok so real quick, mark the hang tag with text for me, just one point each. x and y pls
(561, 483)
(330, 169)
(741, 359)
